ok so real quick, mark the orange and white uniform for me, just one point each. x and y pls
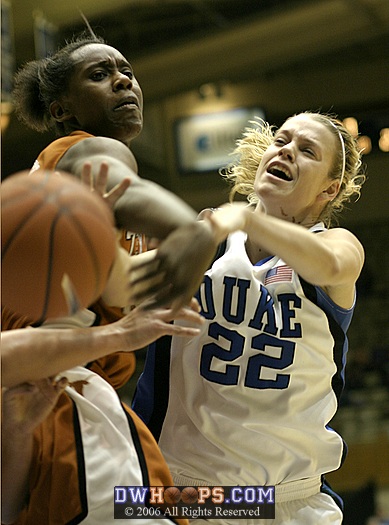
(91, 441)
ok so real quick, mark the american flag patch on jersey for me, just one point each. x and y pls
(279, 274)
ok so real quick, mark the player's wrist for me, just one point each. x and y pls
(214, 228)
(205, 228)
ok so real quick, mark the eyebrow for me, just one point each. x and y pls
(108, 63)
(305, 138)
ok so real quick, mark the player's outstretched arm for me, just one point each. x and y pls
(30, 354)
(331, 259)
(145, 207)
(187, 245)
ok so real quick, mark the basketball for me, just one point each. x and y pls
(172, 495)
(58, 244)
(189, 495)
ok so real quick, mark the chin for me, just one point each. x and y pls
(134, 130)
(128, 134)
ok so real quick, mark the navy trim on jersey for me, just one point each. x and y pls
(152, 392)
(326, 489)
(338, 320)
(80, 468)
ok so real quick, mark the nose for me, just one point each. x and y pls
(287, 151)
(121, 81)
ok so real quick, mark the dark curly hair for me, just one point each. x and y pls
(39, 82)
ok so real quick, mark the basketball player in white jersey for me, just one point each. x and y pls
(250, 400)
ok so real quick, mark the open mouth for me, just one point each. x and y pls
(280, 173)
(129, 104)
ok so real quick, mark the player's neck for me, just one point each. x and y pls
(255, 252)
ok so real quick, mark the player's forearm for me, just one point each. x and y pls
(54, 351)
(317, 258)
(147, 208)
(310, 255)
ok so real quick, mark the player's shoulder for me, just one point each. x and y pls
(92, 145)
(343, 235)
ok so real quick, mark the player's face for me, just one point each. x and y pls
(103, 96)
(292, 180)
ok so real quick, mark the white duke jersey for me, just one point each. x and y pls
(250, 399)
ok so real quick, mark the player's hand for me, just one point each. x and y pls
(143, 326)
(28, 404)
(172, 274)
(99, 184)
(228, 218)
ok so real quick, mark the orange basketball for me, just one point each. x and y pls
(172, 495)
(57, 236)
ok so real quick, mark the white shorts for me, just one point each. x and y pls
(299, 503)
(319, 508)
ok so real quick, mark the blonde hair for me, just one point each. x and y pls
(249, 150)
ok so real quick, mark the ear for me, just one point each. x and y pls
(59, 112)
(331, 191)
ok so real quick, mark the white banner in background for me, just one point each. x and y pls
(204, 142)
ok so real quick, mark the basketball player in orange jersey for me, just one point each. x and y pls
(88, 93)
(56, 350)
(42, 486)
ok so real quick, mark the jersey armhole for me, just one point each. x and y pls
(221, 250)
